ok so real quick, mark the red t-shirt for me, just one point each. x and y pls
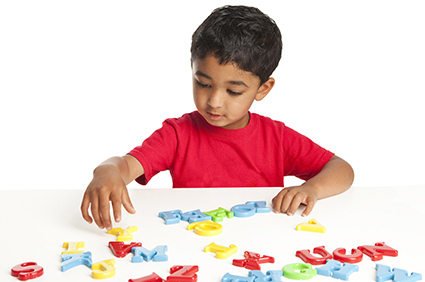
(198, 154)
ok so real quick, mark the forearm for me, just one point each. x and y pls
(128, 167)
(336, 177)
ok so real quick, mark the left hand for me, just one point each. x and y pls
(289, 199)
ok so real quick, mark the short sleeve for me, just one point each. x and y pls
(303, 158)
(157, 152)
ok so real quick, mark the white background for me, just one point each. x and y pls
(81, 81)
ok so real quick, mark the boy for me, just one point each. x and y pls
(234, 52)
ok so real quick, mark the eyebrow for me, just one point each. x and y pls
(234, 82)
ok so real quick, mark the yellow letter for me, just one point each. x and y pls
(123, 235)
(312, 226)
(103, 269)
(220, 251)
(72, 247)
(206, 228)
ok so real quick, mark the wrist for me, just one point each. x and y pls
(314, 187)
(105, 168)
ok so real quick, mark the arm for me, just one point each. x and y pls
(334, 178)
(109, 185)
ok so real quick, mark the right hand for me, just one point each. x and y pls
(107, 186)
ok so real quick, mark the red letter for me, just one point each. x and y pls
(185, 273)
(307, 257)
(151, 278)
(378, 251)
(356, 256)
(120, 250)
(27, 270)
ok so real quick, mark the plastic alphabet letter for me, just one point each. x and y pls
(307, 257)
(328, 268)
(233, 278)
(312, 226)
(271, 276)
(243, 210)
(252, 261)
(206, 228)
(104, 269)
(356, 255)
(27, 270)
(220, 251)
(260, 206)
(219, 214)
(72, 247)
(384, 273)
(123, 234)
(120, 250)
(72, 260)
(378, 251)
(180, 273)
(299, 271)
(247, 263)
(150, 278)
(333, 268)
(157, 254)
(195, 216)
(171, 217)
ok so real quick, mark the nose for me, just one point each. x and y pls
(216, 99)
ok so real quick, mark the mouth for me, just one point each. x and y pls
(214, 116)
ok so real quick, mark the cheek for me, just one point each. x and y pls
(198, 98)
(242, 105)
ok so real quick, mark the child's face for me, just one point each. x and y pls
(223, 94)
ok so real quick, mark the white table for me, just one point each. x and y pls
(35, 224)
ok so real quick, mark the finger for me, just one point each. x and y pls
(116, 206)
(104, 211)
(296, 202)
(85, 208)
(310, 204)
(126, 202)
(95, 211)
(287, 201)
(277, 201)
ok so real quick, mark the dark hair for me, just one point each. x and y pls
(241, 35)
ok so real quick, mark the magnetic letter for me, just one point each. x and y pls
(27, 270)
(307, 257)
(103, 269)
(120, 250)
(305, 271)
(271, 276)
(378, 251)
(157, 254)
(181, 273)
(233, 278)
(356, 255)
(72, 247)
(220, 251)
(171, 217)
(260, 206)
(195, 216)
(123, 234)
(72, 260)
(206, 228)
(243, 210)
(219, 214)
(384, 273)
(333, 268)
(150, 278)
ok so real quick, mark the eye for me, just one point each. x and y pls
(202, 84)
(234, 93)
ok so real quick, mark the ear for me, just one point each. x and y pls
(264, 89)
